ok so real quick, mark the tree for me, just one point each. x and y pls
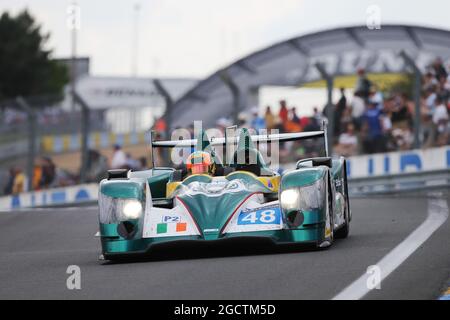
(26, 67)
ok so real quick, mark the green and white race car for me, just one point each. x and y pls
(248, 201)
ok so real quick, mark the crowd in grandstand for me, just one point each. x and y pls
(47, 175)
(371, 121)
(122, 160)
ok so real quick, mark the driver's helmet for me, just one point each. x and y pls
(200, 162)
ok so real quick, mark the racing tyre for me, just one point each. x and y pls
(343, 232)
(345, 229)
(328, 241)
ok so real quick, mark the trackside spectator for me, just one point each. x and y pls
(348, 142)
(339, 111)
(439, 69)
(358, 107)
(19, 184)
(363, 84)
(284, 113)
(37, 176)
(373, 130)
(258, 123)
(403, 138)
(401, 117)
(48, 172)
(317, 117)
(160, 126)
(119, 159)
(440, 122)
(97, 166)
(9, 185)
(293, 123)
(132, 163)
(270, 119)
(143, 162)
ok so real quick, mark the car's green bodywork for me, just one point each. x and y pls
(212, 213)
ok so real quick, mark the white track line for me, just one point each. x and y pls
(437, 215)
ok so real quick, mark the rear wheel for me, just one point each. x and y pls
(346, 192)
(345, 229)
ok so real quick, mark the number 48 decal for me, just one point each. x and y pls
(264, 216)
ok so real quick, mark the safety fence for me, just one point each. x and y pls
(400, 162)
(96, 140)
(68, 196)
(400, 183)
(88, 193)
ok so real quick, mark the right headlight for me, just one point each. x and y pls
(305, 198)
(114, 210)
(289, 199)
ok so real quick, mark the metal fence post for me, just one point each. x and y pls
(417, 90)
(329, 108)
(225, 77)
(85, 129)
(169, 104)
(31, 119)
(167, 114)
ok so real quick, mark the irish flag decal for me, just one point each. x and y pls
(162, 228)
(176, 222)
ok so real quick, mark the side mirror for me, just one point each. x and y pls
(117, 174)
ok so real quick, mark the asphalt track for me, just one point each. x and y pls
(36, 248)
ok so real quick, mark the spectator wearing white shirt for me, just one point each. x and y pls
(440, 114)
(430, 98)
(358, 109)
(119, 159)
(348, 142)
(440, 122)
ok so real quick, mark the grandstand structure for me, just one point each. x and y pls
(393, 49)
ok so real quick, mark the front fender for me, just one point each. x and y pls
(114, 195)
(123, 189)
(302, 177)
(311, 184)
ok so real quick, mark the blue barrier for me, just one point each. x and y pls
(59, 196)
(399, 162)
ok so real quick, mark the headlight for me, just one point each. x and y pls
(289, 199)
(132, 209)
(114, 210)
(304, 198)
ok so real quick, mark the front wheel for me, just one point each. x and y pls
(329, 223)
(329, 234)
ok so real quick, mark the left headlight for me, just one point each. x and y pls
(115, 210)
(132, 209)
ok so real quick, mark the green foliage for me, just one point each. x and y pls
(26, 67)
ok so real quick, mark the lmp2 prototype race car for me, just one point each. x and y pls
(217, 202)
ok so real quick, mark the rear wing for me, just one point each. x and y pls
(255, 138)
(282, 137)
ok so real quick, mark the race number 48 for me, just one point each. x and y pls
(265, 216)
